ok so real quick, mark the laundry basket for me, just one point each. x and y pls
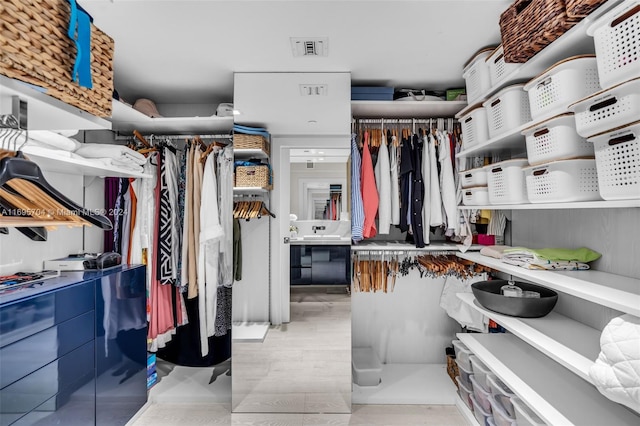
(561, 85)
(499, 70)
(608, 109)
(476, 75)
(617, 40)
(474, 125)
(507, 110)
(563, 181)
(555, 139)
(618, 162)
(506, 183)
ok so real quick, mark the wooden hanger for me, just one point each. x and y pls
(141, 139)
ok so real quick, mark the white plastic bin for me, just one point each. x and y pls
(465, 375)
(524, 415)
(507, 110)
(462, 354)
(505, 181)
(617, 40)
(476, 75)
(481, 395)
(618, 162)
(501, 393)
(563, 181)
(555, 139)
(608, 109)
(480, 371)
(475, 128)
(561, 85)
(464, 392)
(481, 414)
(366, 367)
(473, 177)
(500, 415)
(478, 196)
(498, 68)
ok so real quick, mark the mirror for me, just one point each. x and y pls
(318, 183)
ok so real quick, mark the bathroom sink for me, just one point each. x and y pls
(321, 237)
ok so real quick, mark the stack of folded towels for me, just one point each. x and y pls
(52, 144)
(561, 259)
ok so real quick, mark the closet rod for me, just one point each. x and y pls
(404, 252)
(189, 136)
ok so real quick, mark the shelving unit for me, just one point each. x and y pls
(126, 119)
(568, 342)
(611, 290)
(557, 395)
(249, 153)
(45, 112)
(617, 204)
(403, 245)
(248, 190)
(405, 109)
(511, 142)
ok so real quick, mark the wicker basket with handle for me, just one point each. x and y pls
(253, 176)
(581, 8)
(528, 26)
(243, 141)
(34, 48)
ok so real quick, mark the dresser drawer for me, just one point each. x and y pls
(27, 355)
(27, 317)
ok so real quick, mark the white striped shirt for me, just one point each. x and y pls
(357, 208)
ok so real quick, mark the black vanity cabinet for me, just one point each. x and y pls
(320, 264)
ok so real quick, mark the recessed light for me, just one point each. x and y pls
(320, 152)
(321, 159)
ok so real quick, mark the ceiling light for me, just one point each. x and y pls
(320, 152)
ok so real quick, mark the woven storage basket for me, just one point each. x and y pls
(34, 48)
(528, 26)
(452, 368)
(253, 176)
(242, 141)
(581, 8)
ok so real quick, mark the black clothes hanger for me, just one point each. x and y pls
(20, 168)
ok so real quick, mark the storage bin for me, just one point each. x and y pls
(501, 394)
(507, 110)
(244, 141)
(525, 415)
(500, 415)
(505, 182)
(561, 85)
(476, 75)
(617, 40)
(465, 375)
(555, 139)
(475, 128)
(473, 177)
(480, 372)
(563, 181)
(371, 93)
(478, 196)
(499, 69)
(481, 394)
(253, 176)
(482, 416)
(462, 354)
(608, 109)
(581, 8)
(618, 162)
(465, 393)
(528, 26)
(34, 48)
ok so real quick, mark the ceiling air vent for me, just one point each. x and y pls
(309, 164)
(305, 46)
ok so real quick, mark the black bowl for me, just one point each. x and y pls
(487, 293)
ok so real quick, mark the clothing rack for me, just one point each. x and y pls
(178, 137)
(444, 124)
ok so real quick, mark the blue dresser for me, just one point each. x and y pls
(73, 349)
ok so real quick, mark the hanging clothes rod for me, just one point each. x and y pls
(172, 137)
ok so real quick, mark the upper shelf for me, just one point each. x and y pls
(405, 109)
(573, 42)
(403, 245)
(617, 204)
(249, 153)
(126, 119)
(614, 291)
(511, 142)
(45, 112)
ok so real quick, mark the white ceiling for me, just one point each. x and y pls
(187, 51)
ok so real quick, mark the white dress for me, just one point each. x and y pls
(383, 184)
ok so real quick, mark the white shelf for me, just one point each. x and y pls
(405, 109)
(511, 141)
(568, 342)
(466, 412)
(126, 119)
(45, 112)
(249, 190)
(557, 395)
(249, 153)
(614, 291)
(618, 204)
(573, 42)
(403, 245)
(249, 331)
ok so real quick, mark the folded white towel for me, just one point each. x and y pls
(117, 152)
(124, 165)
(44, 150)
(54, 140)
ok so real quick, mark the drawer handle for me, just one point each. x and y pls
(541, 132)
(544, 82)
(468, 193)
(603, 104)
(495, 61)
(496, 102)
(539, 172)
(625, 16)
(468, 175)
(621, 139)
(468, 119)
(496, 170)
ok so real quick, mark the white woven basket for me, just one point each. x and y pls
(555, 139)
(507, 110)
(476, 75)
(505, 181)
(562, 181)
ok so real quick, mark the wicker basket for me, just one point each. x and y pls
(528, 26)
(452, 368)
(581, 8)
(243, 141)
(253, 176)
(34, 48)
